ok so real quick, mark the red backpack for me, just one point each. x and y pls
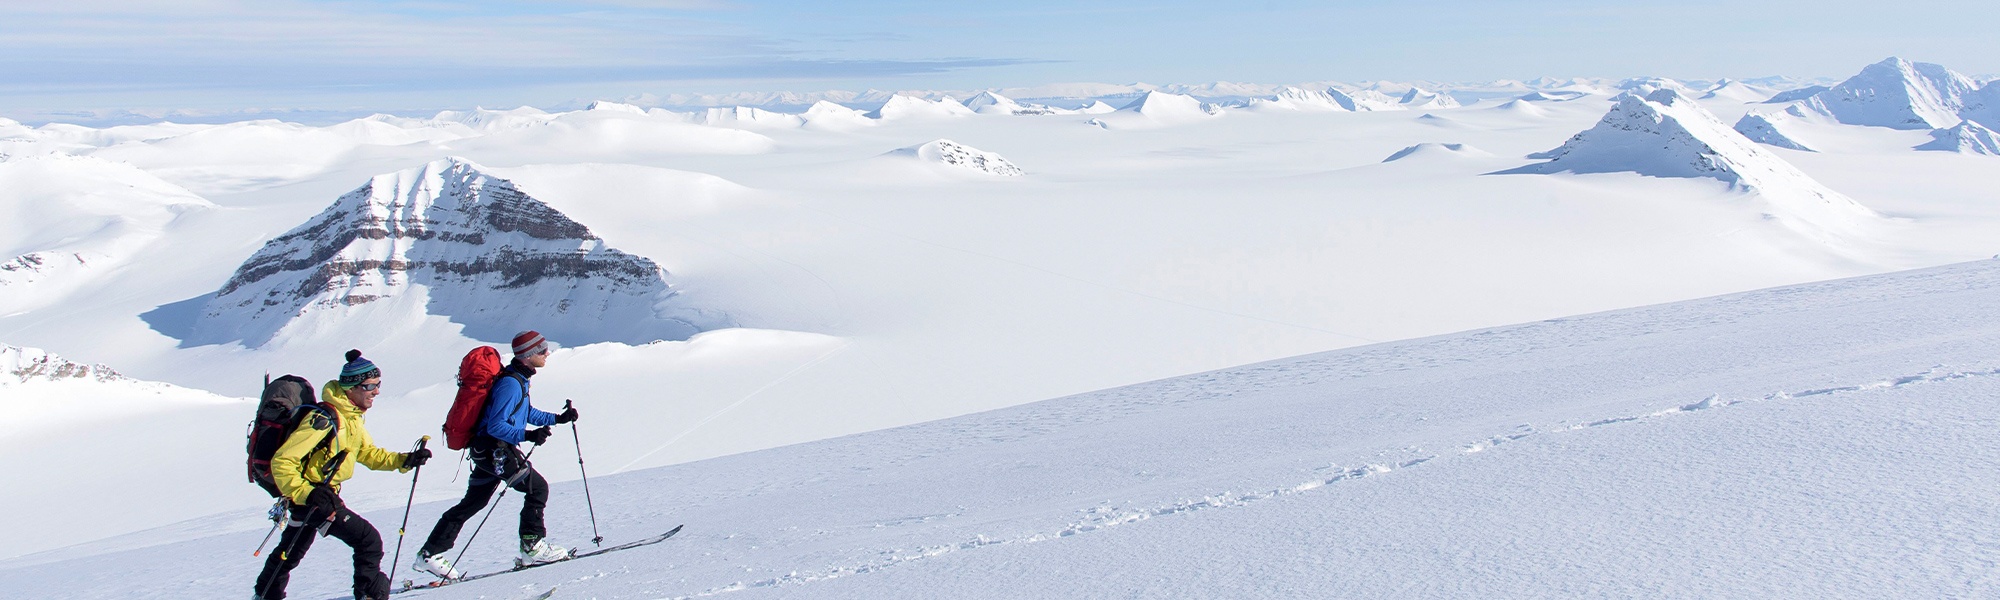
(476, 374)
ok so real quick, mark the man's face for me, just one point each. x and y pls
(538, 360)
(363, 396)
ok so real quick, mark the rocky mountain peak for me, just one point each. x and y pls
(489, 256)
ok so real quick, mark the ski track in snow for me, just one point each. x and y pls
(1104, 517)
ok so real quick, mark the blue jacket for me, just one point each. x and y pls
(508, 413)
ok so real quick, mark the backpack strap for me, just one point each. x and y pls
(306, 411)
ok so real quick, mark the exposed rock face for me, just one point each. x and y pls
(22, 365)
(490, 257)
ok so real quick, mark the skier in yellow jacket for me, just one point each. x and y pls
(309, 469)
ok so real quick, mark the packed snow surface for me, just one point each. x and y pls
(1829, 439)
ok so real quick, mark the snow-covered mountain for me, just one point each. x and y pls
(1363, 100)
(744, 116)
(1666, 134)
(993, 103)
(1769, 129)
(1967, 137)
(1296, 98)
(1733, 90)
(909, 107)
(1418, 99)
(1897, 94)
(472, 247)
(959, 156)
(67, 221)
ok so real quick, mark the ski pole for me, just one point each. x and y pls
(396, 562)
(506, 484)
(285, 554)
(277, 514)
(595, 539)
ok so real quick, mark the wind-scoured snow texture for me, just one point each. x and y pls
(490, 257)
(68, 220)
(1767, 129)
(1668, 135)
(1363, 100)
(910, 107)
(1417, 99)
(1967, 137)
(960, 156)
(1897, 94)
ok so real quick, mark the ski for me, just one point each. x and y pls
(409, 586)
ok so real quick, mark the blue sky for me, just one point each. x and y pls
(388, 55)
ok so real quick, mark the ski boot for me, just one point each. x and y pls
(536, 551)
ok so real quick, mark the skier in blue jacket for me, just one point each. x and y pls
(497, 458)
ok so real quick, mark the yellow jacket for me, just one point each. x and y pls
(297, 466)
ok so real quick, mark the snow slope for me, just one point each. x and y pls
(1821, 440)
(67, 221)
(45, 395)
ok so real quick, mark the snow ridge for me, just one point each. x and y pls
(490, 257)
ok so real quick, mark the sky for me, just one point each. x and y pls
(276, 55)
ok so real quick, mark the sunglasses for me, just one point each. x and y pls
(368, 387)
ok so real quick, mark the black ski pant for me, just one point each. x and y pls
(490, 468)
(369, 582)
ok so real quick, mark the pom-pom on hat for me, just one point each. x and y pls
(530, 343)
(357, 370)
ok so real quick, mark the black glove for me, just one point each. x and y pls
(568, 415)
(539, 435)
(417, 458)
(322, 502)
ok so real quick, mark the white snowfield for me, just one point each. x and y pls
(839, 291)
(1823, 440)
